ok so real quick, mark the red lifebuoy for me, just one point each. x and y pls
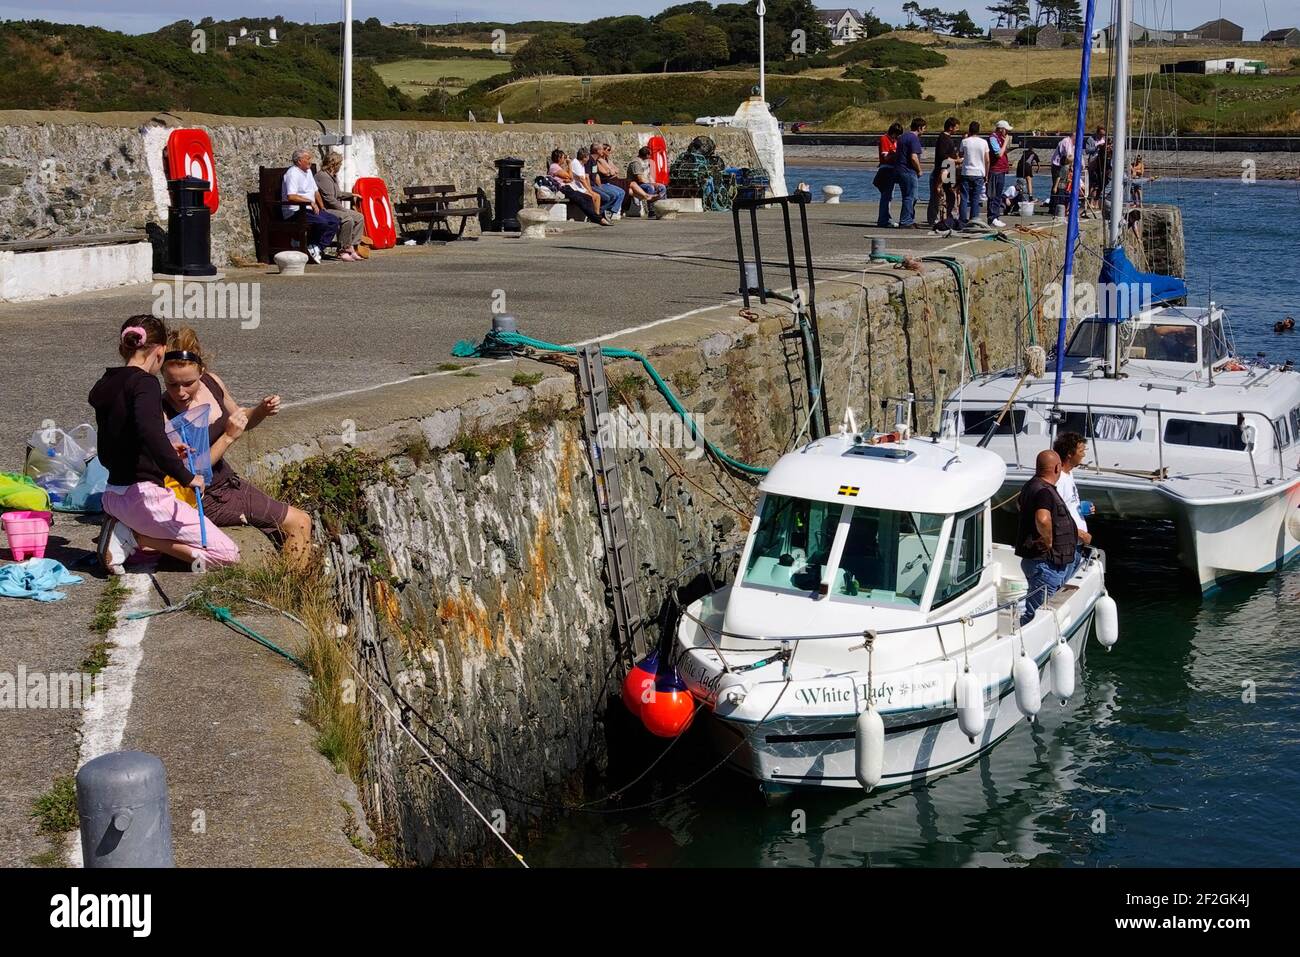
(659, 158)
(189, 153)
(373, 203)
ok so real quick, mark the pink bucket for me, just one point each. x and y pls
(28, 533)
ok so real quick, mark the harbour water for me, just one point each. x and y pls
(1180, 747)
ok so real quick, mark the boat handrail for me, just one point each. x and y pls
(1159, 411)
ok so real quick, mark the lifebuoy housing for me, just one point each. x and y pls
(189, 153)
(659, 159)
(374, 205)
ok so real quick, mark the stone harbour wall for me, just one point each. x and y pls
(486, 610)
(68, 174)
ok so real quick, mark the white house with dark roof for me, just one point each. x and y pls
(845, 25)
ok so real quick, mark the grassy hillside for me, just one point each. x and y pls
(415, 78)
(57, 66)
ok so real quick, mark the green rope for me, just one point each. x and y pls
(959, 272)
(1024, 281)
(223, 615)
(515, 339)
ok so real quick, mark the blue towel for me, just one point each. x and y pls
(35, 578)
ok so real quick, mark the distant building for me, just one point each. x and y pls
(845, 25)
(1210, 67)
(254, 37)
(1212, 30)
(1137, 34)
(1287, 37)
(1004, 35)
(1049, 38)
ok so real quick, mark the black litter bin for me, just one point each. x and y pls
(189, 229)
(510, 194)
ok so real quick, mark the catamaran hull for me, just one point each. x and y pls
(1217, 540)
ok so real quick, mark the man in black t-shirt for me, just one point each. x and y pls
(942, 211)
(1047, 536)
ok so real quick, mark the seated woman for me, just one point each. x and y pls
(134, 447)
(561, 171)
(228, 500)
(352, 225)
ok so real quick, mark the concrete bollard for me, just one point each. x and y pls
(832, 194)
(291, 262)
(532, 222)
(125, 819)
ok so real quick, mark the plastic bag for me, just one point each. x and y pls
(88, 493)
(78, 445)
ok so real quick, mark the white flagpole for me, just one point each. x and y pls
(347, 173)
(762, 66)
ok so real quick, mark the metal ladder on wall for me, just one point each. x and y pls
(619, 558)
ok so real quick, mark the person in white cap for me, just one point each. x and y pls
(999, 170)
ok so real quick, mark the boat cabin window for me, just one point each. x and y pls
(1110, 426)
(1205, 435)
(1295, 422)
(1283, 431)
(887, 556)
(963, 565)
(979, 421)
(1166, 343)
(793, 543)
(1088, 341)
(1216, 343)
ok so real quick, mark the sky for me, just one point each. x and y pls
(139, 16)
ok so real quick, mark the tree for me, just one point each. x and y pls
(1004, 14)
(552, 53)
(699, 44)
(1069, 16)
(911, 9)
(961, 25)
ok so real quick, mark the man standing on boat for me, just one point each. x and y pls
(1047, 537)
(1072, 449)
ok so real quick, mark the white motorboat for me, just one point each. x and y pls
(1178, 427)
(872, 635)
(1186, 433)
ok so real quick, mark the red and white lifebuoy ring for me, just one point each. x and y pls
(189, 153)
(659, 159)
(373, 203)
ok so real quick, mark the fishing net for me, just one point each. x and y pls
(191, 429)
(700, 171)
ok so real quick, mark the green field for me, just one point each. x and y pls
(418, 77)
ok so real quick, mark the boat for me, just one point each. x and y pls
(1181, 430)
(872, 635)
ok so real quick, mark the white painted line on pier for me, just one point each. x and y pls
(103, 722)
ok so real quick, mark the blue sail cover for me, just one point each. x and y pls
(1125, 290)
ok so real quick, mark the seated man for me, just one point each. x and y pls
(1047, 536)
(299, 186)
(612, 195)
(640, 172)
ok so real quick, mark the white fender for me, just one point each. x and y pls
(970, 704)
(1293, 523)
(1062, 665)
(731, 693)
(1107, 618)
(869, 748)
(1029, 693)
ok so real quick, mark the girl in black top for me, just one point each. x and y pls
(134, 447)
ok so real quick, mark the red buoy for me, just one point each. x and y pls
(639, 682)
(670, 709)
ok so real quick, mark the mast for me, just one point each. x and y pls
(1123, 25)
(1076, 173)
(347, 171)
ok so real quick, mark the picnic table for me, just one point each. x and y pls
(431, 208)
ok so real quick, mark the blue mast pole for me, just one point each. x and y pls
(1076, 172)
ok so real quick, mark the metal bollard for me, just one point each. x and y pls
(125, 819)
(878, 247)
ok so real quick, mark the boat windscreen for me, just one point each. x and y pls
(887, 556)
(793, 543)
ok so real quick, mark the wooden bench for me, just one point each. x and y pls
(430, 208)
(272, 232)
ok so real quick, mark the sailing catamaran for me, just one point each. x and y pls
(1179, 428)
